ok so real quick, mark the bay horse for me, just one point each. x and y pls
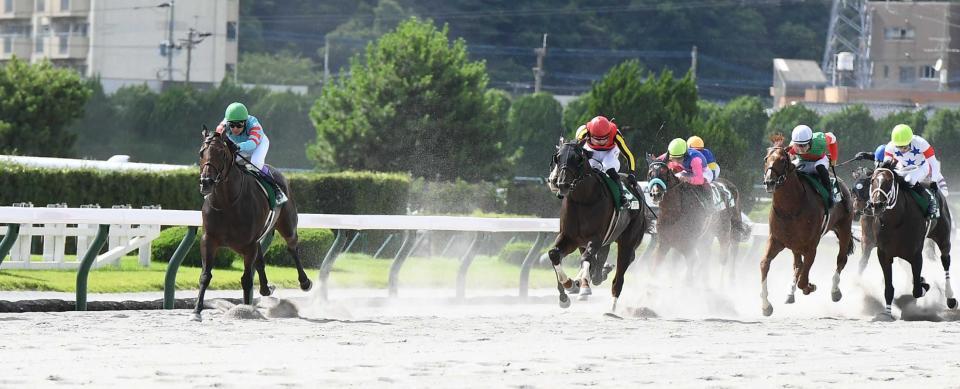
(868, 222)
(902, 232)
(585, 222)
(798, 220)
(688, 220)
(235, 214)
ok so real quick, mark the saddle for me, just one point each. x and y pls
(271, 193)
(621, 214)
(722, 196)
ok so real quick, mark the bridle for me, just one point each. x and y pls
(889, 196)
(579, 176)
(770, 172)
(219, 177)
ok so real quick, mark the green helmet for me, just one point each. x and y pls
(236, 112)
(902, 135)
(677, 147)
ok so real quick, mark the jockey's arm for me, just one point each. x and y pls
(716, 169)
(256, 133)
(833, 148)
(935, 174)
(581, 133)
(696, 167)
(622, 144)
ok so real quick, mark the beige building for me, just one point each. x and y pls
(908, 39)
(123, 41)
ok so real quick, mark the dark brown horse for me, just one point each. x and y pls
(585, 217)
(798, 220)
(689, 221)
(902, 232)
(235, 212)
(868, 223)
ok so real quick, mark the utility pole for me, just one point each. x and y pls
(693, 63)
(194, 38)
(326, 60)
(538, 71)
(940, 66)
(168, 45)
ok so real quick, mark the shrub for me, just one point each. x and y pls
(163, 247)
(515, 252)
(314, 244)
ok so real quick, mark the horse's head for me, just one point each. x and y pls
(883, 191)
(570, 163)
(861, 188)
(216, 159)
(658, 174)
(776, 164)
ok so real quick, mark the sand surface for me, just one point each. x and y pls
(708, 333)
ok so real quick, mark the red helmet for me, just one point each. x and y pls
(601, 128)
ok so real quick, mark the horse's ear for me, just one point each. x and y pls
(649, 158)
(776, 139)
(205, 132)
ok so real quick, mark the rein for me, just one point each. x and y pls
(890, 196)
(217, 180)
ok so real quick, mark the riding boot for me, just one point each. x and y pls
(281, 197)
(616, 181)
(824, 176)
(933, 209)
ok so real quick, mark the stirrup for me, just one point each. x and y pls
(281, 197)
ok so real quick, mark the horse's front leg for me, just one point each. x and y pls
(208, 248)
(803, 282)
(561, 248)
(584, 275)
(774, 247)
(265, 288)
(249, 254)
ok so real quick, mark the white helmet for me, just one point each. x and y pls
(802, 135)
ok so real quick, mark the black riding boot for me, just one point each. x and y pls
(933, 210)
(281, 197)
(616, 180)
(825, 181)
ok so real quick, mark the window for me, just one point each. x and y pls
(7, 45)
(907, 74)
(8, 6)
(886, 71)
(63, 44)
(231, 68)
(41, 5)
(928, 72)
(231, 31)
(64, 5)
(39, 45)
(898, 33)
(78, 29)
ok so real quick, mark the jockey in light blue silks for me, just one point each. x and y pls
(247, 133)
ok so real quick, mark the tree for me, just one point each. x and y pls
(649, 110)
(287, 117)
(534, 127)
(414, 102)
(943, 133)
(283, 68)
(739, 128)
(37, 103)
(784, 120)
(853, 126)
(917, 120)
(573, 114)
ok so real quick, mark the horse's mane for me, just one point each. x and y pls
(776, 140)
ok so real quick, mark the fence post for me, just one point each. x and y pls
(465, 263)
(393, 279)
(328, 260)
(9, 238)
(85, 264)
(170, 280)
(532, 256)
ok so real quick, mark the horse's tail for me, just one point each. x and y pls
(742, 231)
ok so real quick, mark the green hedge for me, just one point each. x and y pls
(453, 197)
(339, 193)
(532, 199)
(314, 243)
(515, 252)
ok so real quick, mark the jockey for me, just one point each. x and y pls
(602, 137)
(876, 157)
(713, 169)
(253, 144)
(689, 163)
(814, 152)
(916, 161)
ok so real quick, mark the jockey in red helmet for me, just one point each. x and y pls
(602, 137)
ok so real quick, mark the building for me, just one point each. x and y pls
(792, 78)
(125, 42)
(908, 39)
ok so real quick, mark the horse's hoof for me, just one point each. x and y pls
(884, 317)
(306, 286)
(768, 310)
(925, 286)
(952, 303)
(268, 290)
(583, 297)
(196, 317)
(573, 289)
(586, 291)
(564, 301)
(836, 295)
(790, 299)
(809, 289)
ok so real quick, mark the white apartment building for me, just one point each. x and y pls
(125, 42)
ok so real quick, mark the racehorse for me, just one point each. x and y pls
(798, 221)
(689, 220)
(902, 232)
(868, 223)
(586, 223)
(235, 214)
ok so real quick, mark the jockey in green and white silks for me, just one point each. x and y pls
(247, 133)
